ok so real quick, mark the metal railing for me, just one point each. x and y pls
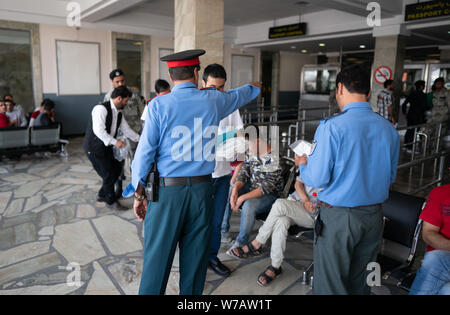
(430, 143)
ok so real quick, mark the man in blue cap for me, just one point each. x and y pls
(180, 136)
(354, 159)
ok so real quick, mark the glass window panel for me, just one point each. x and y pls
(16, 67)
(129, 59)
(241, 70)
(163, 69)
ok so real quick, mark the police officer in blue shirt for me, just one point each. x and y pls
(354, 159)
(180, 136)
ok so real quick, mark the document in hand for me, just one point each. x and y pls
(301, 147)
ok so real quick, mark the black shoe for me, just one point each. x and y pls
(117, 206)
(101, 199)
(219, 268)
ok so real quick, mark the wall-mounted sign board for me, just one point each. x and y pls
(426, 10)
(298, 29)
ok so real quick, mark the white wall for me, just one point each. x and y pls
(229, 51)
(50, 33)
(291, 65)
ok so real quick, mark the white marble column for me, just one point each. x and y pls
(389, 51)
(199, 24)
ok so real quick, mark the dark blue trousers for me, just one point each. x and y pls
(221, 187)
(183, 215)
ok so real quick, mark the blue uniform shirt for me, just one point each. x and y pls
(181, 131)
(354, 158)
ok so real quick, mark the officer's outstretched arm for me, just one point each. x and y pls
(235, 99)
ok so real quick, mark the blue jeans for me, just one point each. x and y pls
(221, 188)
(433, 277)
(250, 209)
(227, 215)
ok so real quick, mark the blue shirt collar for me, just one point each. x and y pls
(362, 105)
(184, 86)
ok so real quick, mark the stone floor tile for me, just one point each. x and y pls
(33, 202)
(128, 274)
(86, 211)
(243, 280)
(119, 235)
(4, 200)
(59, 289)
(15, 208)
(100, 284)
(30, 188)
(78, 243)
(24, 233)
(28, 267)
(23, 252)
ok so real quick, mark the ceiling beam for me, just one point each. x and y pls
(356, 8)
(107, 8)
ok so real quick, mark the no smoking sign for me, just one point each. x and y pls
(382, 74)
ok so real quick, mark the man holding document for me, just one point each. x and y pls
(354, 160)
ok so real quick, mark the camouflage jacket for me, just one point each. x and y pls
(264, 173)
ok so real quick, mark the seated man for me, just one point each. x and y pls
(47, 116)
(257, 187)
(434, 275)
(22, 120)
(297, 209)
(4, 119)
(14, 115)
(36, 114)
(162, 87)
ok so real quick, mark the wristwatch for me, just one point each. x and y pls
(140, 198)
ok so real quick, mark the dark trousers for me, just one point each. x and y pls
(221, 187)
(347, 244)
(110, 170)
(412, 121)
(182, 216)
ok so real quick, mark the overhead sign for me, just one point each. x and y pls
(287, 30)
(426, 10)
(382, 74)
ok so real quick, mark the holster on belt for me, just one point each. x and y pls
(153, 184)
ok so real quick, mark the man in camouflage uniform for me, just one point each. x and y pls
(439, 113)
(135, 106)
(132, 113)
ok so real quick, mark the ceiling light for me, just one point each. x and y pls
(304, 51)
(362, 46)
(293, 47)
(322, 45)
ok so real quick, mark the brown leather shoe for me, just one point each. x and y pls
(101, 199)
(117, 207)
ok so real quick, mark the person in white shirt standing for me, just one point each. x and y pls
(215, 77)
(101, 136)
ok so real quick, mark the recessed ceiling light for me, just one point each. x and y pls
(304, 51)
(322, 45)
(293, 47)
(362, 46)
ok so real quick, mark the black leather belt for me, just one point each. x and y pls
(185, 181)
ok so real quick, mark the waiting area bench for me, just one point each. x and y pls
(17, 141)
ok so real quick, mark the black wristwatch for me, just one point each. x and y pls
(140, 198)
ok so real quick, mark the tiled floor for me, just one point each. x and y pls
(49, 219)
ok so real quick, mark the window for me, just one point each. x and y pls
(129, 59)
(16, 68)
(241, 70)
(163, 69)
(319, 81)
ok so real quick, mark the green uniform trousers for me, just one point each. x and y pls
(183, 215)
(347, 244)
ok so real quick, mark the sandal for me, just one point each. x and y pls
(266, 277)
(252, 251)
(241, 253)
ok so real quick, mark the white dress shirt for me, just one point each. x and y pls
(99, 114)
